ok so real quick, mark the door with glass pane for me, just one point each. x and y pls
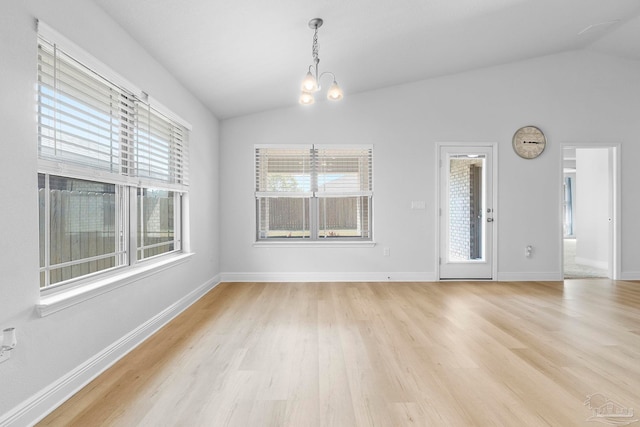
(466, 212)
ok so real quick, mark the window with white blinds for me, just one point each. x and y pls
(160, 148)
(343, 172)
(82, 118)
(283, 171)
(86, 121)
(112, 170)
(313, 192)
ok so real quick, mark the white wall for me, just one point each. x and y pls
(575, 96)
(51, 347)
(593, 201)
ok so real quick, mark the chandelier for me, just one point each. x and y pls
(311, 82)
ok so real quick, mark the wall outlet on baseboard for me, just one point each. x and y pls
(8, 343)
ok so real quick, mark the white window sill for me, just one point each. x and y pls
(314, 244)
(66, 298)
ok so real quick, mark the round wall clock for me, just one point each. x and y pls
(529, 142)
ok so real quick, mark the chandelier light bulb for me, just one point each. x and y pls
(306, 98)
(309, 84)
(335, 93)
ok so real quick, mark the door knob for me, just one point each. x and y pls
(489, 219)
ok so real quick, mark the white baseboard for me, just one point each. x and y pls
(603, 265)
(377, 277)
(519, 276)
(630, 275)
(329, 277)
(46, 400)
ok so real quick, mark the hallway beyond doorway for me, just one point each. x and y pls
(578, 271)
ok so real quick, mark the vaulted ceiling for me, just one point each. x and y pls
(243, 56)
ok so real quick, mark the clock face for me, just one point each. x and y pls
(529, 142)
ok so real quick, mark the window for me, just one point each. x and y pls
(80, 225)
(313, 192)
(156, 216)
(112, 172)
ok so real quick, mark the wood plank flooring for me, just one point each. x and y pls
(378, 354)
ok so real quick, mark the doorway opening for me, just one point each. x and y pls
(589, 199)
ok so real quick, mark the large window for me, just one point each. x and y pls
(313, 192)
(112, 172)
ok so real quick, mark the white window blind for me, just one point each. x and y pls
(89, 122)
(160, 147)
(284, 171)
(322, 170)
(83, 119)
(344, 171)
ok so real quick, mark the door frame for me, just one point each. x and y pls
(493, 146)
(615, 242)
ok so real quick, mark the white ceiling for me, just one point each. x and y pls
(245, 56)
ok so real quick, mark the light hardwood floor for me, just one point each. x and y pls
(378, 354)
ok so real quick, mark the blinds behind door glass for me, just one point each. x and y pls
(87, 121)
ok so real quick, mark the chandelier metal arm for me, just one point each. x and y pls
(314, 70)
(333, 77)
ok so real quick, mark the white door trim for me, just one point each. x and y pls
(438, 208)
(615, 240)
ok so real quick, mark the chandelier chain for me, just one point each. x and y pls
(314, 48)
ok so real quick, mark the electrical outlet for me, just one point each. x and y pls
(387, 252)
(527, 251)
(8, 343)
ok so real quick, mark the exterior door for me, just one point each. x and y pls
(466, 212)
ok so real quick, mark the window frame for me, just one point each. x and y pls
(313, 196)
(68, 292)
